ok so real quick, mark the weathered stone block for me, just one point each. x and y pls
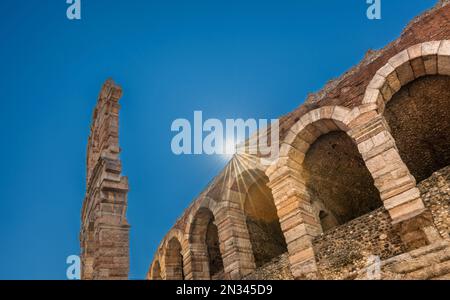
(402, 198)
(399, 59)
(418, 67)
(372, 96)
(430, 63)
(430, 48)
(405, 73)
(444, 58)
(326, 112)
(377, 82)
(406, 210)
(415, 51)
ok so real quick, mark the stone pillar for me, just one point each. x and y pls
(198, 262)
(392, 178)
(111, 230)
(104, 233)
(174, 267)
(235, 245)
(112, 257)
(297, 219)
(187, 259)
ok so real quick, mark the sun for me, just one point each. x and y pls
(230, 147)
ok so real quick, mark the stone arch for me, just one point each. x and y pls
(173, 260)
(172, 254)
(313, 125)
(301, 219)
(337, 181)
(203, 202)
(224, 199)
(299, 215)
(412, 69)
(258, 206)
(331, 172)
(206, 257)
(428, 58)
(155, 271)
(411, 91)
(416, 65)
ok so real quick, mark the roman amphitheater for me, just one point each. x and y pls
(363, 176)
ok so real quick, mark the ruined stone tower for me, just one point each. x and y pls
(104, 235)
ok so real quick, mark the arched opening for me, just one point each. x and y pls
(174, 260)
(339, 184)
(419, 118)
(207, 260)
(327, 220)
(156, 271)
(263, 224)
(215, 258)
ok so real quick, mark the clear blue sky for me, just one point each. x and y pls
(230, 59)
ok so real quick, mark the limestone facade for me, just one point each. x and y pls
(373, 186)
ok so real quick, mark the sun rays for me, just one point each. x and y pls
(242, 171)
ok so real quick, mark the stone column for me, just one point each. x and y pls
(174, 267)
(104, 232)
(297, 219)
(235, 245)
(187, 259)
(112, 232)
(112, 257)
(197, 263)
(396, 185)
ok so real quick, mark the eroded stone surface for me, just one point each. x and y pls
(419, 117)
(338, 181)
(343, 253)
(436, 196)
(277, 269)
